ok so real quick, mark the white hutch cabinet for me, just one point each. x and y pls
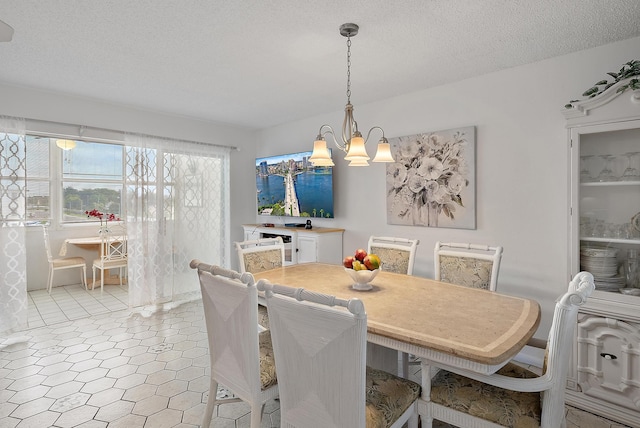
(319, 244)
(604, 139)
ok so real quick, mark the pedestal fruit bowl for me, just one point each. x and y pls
(362, 268)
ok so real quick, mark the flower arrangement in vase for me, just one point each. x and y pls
(104, 228)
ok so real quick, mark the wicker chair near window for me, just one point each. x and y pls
(397, 254)
(471, 265)
(241, 358)
(113, 252)
(513, 397)
(320, 357)
(62, 263)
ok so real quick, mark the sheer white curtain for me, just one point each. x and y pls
(177, 208)
(13, 212)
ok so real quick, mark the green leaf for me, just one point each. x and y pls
(612, 74)
(602, 82)
(590, 91)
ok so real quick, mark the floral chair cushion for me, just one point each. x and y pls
(501, 406)
(466, 271)
(393, 260)
(388, 397)
(262, 260)
(267, 362)
(263, 317)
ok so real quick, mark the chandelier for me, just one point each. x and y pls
(352, 142)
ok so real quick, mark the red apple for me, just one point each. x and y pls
(360, 254)
(348, 262)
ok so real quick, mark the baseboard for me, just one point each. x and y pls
(530, 356)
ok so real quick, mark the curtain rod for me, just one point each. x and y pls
(81, 128)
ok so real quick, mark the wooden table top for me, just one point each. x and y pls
(478, 325)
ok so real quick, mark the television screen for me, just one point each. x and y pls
(289, 185)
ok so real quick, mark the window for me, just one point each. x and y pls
(92, 178)
(38, 180)
(67, 182)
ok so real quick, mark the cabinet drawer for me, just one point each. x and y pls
(609, 360)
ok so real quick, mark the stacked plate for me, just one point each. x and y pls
(603, 264)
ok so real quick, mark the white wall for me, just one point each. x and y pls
(521, 163)
(48, 106)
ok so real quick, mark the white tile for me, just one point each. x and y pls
(76, 416)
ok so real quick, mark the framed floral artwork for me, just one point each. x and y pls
(432, 182)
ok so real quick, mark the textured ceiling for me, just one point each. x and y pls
(260, 63)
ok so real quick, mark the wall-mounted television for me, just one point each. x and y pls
(289, 185)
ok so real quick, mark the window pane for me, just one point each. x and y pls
(80, 197)
(38, 157)
(38, 210)
(94, 161)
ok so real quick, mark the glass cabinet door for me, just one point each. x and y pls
(606, 168)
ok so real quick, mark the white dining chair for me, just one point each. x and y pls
(241, 359)
(397, 254)
(319, 344)
(62, 263)
(113, 252)
(470, 265)
(513, 396)
(260, 254)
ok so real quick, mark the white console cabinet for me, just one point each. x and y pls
(604, 221)
(319, 244)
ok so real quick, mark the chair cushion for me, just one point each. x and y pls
(498, 405)
(107, 264)
(262, 260)
(388, 397)
(69, 261)
(393, 260)
(267, 362)
(466, 271)
(263, 317)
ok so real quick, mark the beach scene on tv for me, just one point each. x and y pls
(289, 185)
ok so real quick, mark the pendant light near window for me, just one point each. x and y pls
(352, 142)
(66, 144)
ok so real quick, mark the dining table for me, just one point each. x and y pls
(91, 243)
(443, 324)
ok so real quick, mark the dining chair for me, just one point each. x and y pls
(241, 359)
(471, 265)
(113, 252)
(319, 344)
(62, 263)
(513, 397)
(397, 254)
(260, 254)
(256, 256)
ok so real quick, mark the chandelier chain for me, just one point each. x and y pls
(349, 70)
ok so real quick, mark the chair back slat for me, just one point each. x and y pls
(114, 243)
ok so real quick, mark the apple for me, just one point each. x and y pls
(348, 262)
(371, 261)
(360, 254)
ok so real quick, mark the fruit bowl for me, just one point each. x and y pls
(362, 278)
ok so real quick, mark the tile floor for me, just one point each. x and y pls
(87, 362)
